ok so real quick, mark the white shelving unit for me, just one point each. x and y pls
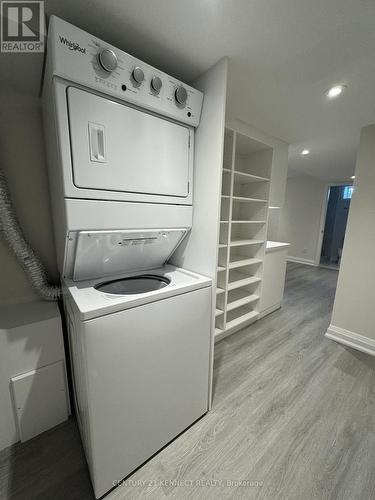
(246, 174)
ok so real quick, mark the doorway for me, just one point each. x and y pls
(336, 218)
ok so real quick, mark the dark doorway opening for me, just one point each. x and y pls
(339, 198)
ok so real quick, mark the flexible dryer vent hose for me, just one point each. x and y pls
(10, 228)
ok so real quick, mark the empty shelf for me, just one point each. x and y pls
(227, 170)
(241, 319)
(237, 243)
(242, 280)
(243, 199)
(218, 312)
(239, 261)
(222, 245)
(243, 301)
(246, 178)
(224, 222)
(219, 290)
(221, 268)
(248, 221)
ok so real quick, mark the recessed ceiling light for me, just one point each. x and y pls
(352, 177)
(335, 91)
(305, 152)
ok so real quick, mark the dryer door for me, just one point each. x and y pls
(119, 148)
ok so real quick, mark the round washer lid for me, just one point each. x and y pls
(136, 284)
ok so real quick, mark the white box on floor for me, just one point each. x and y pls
(30, 338)
(40, 399)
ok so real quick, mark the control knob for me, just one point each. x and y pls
(138, 75)
(107, 59)
(181, 95)
(156, 84)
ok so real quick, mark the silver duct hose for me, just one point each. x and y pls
(11, 230)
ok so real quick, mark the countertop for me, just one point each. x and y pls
(276, 245)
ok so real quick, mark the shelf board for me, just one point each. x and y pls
(221, 268)
(242, 302)
(240, 261)
(238, 243)
(243, 199)
(250, 177)
(218, 331)
(218, 312)
(248, 221)
(225, 196)
(219, 290)
(241, 319)
(242, 281)
(224, 222)
(227, 170)
(222, 245)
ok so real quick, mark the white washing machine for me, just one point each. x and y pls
(120, 144)
(140, 355)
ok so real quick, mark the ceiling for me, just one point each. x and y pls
(284, 56)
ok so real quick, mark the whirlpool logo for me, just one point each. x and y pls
(72, 45)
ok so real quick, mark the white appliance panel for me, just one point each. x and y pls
(104, 253)
(147, 381)
(74, 55)
(118, 148)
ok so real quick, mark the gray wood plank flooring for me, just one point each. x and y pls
(293, 417)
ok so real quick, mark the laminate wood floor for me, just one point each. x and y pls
(293, 418)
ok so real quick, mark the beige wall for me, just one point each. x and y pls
(22, 158)
(298, 221)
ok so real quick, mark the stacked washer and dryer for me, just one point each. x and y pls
(120, 142)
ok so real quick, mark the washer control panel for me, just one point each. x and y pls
(79, 57)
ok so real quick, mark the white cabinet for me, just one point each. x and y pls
(273, 281)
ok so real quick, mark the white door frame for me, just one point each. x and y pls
(323, 217)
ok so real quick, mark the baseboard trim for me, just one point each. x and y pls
(269, 310)
(298, 260)
(351, 339)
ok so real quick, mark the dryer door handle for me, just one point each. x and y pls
(97, 142)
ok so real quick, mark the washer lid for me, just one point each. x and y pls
(92, 303)
(134, 285)
(104, 253)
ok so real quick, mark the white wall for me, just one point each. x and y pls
(353, 318)
(23, 161)
(298, 221)
(30, 330)
(199, 251)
